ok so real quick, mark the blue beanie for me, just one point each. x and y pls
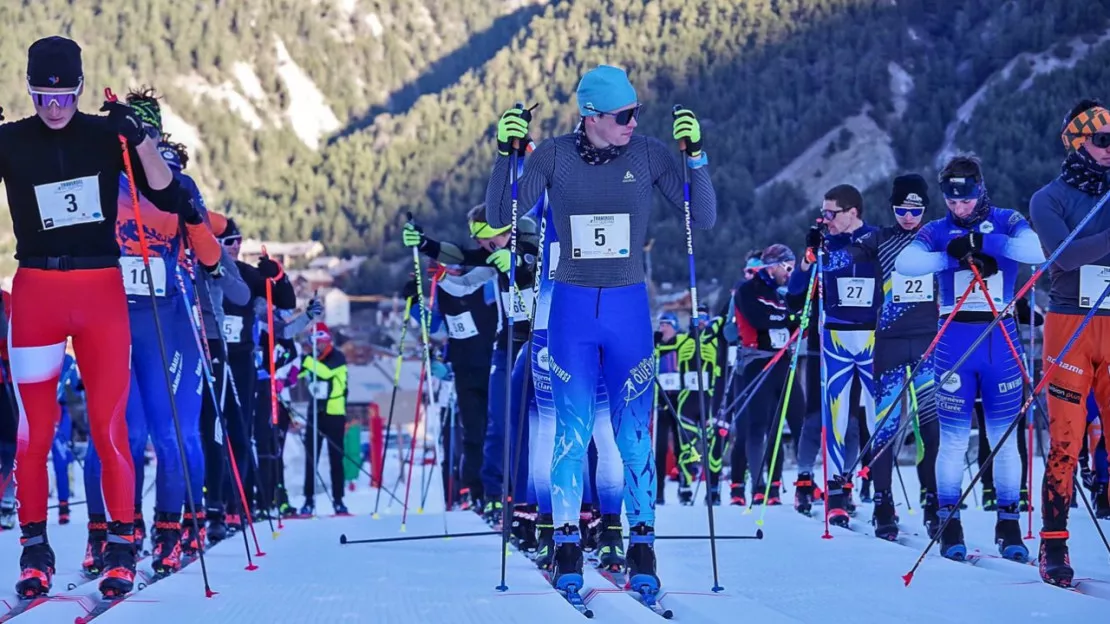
(604, 89)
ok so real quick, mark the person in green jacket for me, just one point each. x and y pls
(327, 375)
(689, 406)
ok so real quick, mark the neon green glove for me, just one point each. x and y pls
(687, 128)
(501, 259)
(513, 126)
(412, 236)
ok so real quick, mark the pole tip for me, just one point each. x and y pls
(864, 473)
(402, 528)
(827, 535)
(375, 516)
(342, 538)
(275, 534)
(502, 588)
(419, 511)
(759, 534)
(907, 578)
(208, 593)
(251, 568)
(718, 589)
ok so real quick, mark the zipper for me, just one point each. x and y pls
(597, 305)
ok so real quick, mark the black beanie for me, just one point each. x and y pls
(910, 190)
(54, 62)
(231, 229)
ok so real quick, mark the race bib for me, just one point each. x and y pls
(670, 382)
(233, 328)
(599, 237)
(461, 326)
(856, 292)
(690, 380)
(319, 390)
(135, 277)
(779, 337)
(905, 289)
(521, 304)
(72, 202)
(732, 352)
(552, 259)
(1093, 279)
(976, 299)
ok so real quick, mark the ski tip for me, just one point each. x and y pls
(907, 578)
(342, 538)
(759, 534)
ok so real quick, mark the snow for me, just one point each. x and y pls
(308, 111)
(224, 92)
(791, 576)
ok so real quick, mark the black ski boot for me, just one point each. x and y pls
(929, 509)
(1055, 565)
(217, 529)
(837, 512)
(524, 527)
(865, 491)
(641, 560)
(685, 495)
(166, 549)
(545, 551)
(119, 561)
(610, 545)
(848, 487)
(803, 493)
(1024, 506)
(758, 498)
(713, 496)
(1007, 534)
(63, 512)
(567, 572)
(491, 513)
(589, 527)
(36, 563)
(93, 564)
(192, 538)
(990, 499)
(736, 495)
(1102, 503)
(775, 496)
(140, 532)
(952, 538)
(883, 519)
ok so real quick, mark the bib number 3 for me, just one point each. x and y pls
(71, 202)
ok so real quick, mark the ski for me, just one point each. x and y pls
(572, 595)
(102, 605)
(977, 557)
(645, 595)
(23, 605)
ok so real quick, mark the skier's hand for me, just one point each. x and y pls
(960, 247)
(513, 126)
(269, 268)
(987, 265)
(215, 272)
(502, 259)
(125, 122)
(314, 309)
(687, 130)
(409, 290)
(815, 238)
(412, 235)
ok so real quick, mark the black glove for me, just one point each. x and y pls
(188, 210)
(125, 122)
(215, 272)
(269, 268)
(960, 247)
(987, 265)
(409, 291)
(815, 238)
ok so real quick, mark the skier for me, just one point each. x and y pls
(907, 323)
(69, 286)
(689, 410)
(328, 374)
(764, 325)
(1093, 464)
(851, 295)
(667, 429)
(974, 233)
(1078, 276)
(599, 180)
(62, 451)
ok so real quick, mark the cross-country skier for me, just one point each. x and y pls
(1093, 465)
(765, 324)
(668, 433)
(907, 323)
(599, 180)
(62, 451)
(975, 233)
(69, 286)
(1079, 276)
(327, 373)
(852, 295)
(689, 408)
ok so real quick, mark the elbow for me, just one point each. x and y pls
(706, 220)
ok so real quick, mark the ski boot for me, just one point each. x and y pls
(217, 528)
(192, 538)
(990, 499)
(93, 564)
(465, 502)
(736, 495)
(838, 515)
(8, 518)
(566, 574)
(713, 496)
(952, 538)
(523, 529)
(286, 510)
(685, 495)
(641, 560)
(1054, 562)
(545, 549)
(308, 509)
(921, 496)
(775, 496)
(848, 487)
(119, 561)
(166, 549)
(492, 513)
(1102, 503)
(589, 527)
(865, 491)
(930, 518)
(610, 545)
(883, 519)
(140, 532)
(234, 523)
(1024, 505)
(803, 493)
(1007, 534)
(340, 509)
(36, 563)
(758, 497)
(63, 512)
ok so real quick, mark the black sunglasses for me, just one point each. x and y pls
(231, 240)
(1101, 140)
(624, 117)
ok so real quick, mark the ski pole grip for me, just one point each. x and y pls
(108, 95)
(525, 115)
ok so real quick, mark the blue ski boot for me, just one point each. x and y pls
(1007, 534)
(567, 573)
(952, 536)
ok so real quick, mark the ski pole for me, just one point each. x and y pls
(425, 330)
(803, 325)
(682, 146)
(392, 404)
(145, 251)
(907, 403)
(425, 370)
(819, 274)
(908, 577)
(411, 538)
(749, 390)
(273, 385)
